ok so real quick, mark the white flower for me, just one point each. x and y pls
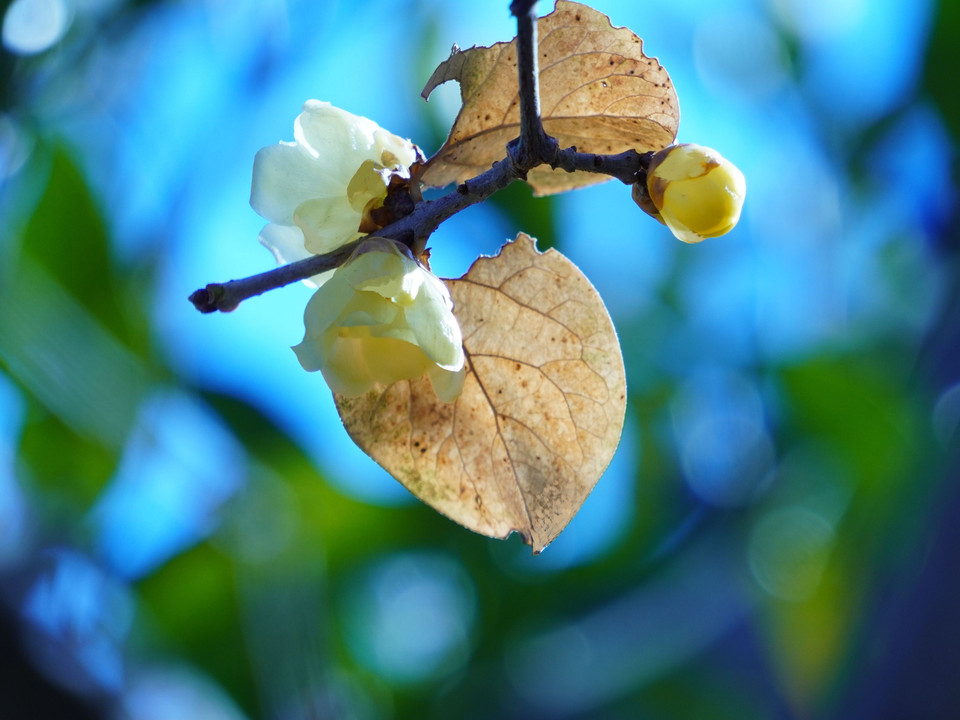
(694, 191)
(382, 317)
(316, 190)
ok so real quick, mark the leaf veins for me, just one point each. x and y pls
(541, 411)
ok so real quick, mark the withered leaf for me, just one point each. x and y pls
(598, 93)
(541, 410)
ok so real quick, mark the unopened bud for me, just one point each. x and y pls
(693, 190)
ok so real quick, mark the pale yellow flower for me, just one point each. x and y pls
(381, 318)
(315, 190)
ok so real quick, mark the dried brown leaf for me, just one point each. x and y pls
(541, 410)
(598, 93)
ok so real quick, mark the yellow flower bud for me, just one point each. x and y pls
(381, 318)
(694, 191)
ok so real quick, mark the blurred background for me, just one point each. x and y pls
(187, 532)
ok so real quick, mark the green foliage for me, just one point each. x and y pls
(943, 54)
(65, 341)
(192, 607)
(536, 217)
(858, 409)
(67, 233)
(72, 468)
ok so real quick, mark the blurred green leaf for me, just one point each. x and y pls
(663, 505)
(61, 326)
(534, 216)
(723, 693)
(66, 359)
(863, 413)
(858, 409)
(943, 58)
(67, 236)
(808, 641)
(341, 529)
(69, 466)
(192, 603)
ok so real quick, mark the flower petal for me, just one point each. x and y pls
(368, 183)
(447, 384)
(354, 366)
(327, 223)
(339, 139)
(322, 311)
(368, 308)
(394, 152)
(284, 176)
(382, 318)
(337, 169)
(435, 327)
(391, 360)
(381, 267)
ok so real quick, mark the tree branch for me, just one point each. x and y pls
(425, 218)
(534, 147)
(227, 296)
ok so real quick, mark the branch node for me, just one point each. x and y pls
(521, 161)
(208, 299)
(534, 146)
